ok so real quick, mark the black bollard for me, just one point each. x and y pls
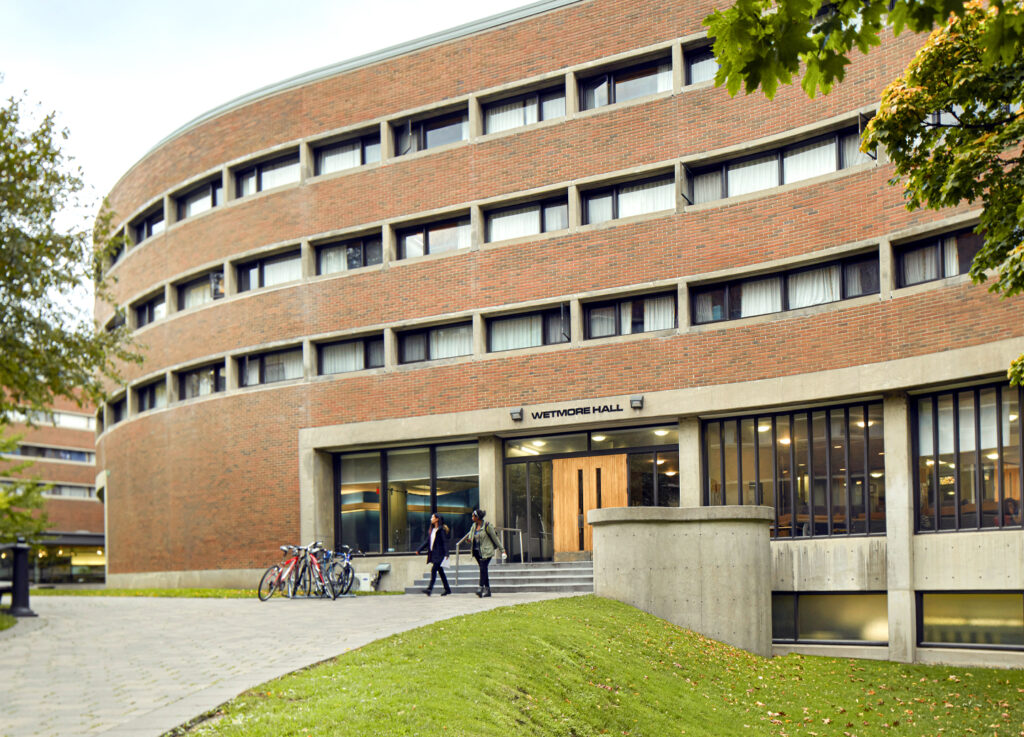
(19, 593)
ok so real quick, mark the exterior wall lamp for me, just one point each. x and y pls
(516, 414)
(636, 401)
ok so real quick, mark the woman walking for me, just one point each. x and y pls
(485, 541)
(436, 546)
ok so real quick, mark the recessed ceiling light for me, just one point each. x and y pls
(670, 473)
(784, 441)
(661, 433)
(660, 461)
(539, 443)
(764, 428)
(598, 438)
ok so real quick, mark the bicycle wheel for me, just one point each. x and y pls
(290, 585)
(269, 583)
(303, 581)
(347, 577)
(333, 573)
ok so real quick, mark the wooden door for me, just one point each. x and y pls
(582, 484)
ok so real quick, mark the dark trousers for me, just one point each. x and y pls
(483, 563)
(434, 570)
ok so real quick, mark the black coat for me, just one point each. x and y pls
(440, 550)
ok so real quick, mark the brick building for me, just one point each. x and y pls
(539, 264)
(61, 444)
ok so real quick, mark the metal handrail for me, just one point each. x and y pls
(465, 537)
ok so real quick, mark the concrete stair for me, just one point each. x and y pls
(507, 578)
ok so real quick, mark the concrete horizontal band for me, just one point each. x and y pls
(733, 513)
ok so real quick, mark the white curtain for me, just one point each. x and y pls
(336, 158)
(281, 366)
(282, 270)
(342, 357)
(277, 175)
(949, 253)
(602, 321)
(921, 265)
(760, 297)
(159, 309)
(704, 69)
(753, 175)
(332, 259)
(514, 223)
(246, 183)
(376, 352)
(637, 199)
(412, 245)
(599, 208)
(197, 294)
(197, 202)
(448, 237)
(160, 395)
(814, 287)
(626, 317)
(595, 93)
(503, 117)
(519, 332)
(809, 161)
(852, 155)
(659, 313)
(456, 340)
(707, 187)
(704, 308)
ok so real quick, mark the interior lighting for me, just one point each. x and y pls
(661, 433)
(660, 461)
(877, 474)
(764, 428)
(539, 443)
(1013, 418)
(99, 552)
(670, 473)
(861, 423)
(784, 441)
(993, 456)
(598, 438)
(929, 462)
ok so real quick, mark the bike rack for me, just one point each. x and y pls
(501, 530)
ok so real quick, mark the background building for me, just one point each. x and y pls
(540, 264)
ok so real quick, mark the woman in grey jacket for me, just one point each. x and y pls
(485, 541)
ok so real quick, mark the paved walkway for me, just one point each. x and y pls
(139, 667)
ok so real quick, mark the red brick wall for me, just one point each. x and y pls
(75, 515)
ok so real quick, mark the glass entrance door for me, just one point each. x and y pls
(528, 504)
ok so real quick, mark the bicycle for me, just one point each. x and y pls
(282, 576)
(339, 568)
(310, 577)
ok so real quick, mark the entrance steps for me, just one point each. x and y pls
(508, 578)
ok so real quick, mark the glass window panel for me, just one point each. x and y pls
(809, 160)
(552, 105)
(813, 287)
(926, 482)
(279, 173)
(950, 258)
(546, 445)
(412, 244)
(280, 270)
(601, 321)
(714, 460)
(994, 620)
(641, 82)
(413, 347)
(342, 357)
(556, 216)
(710, 306)
(966, 466)
(457, 486)
(819, 479)
(765, 455)
(667, 464)
(245, 183)
(282, 366)
(331, 259)
(336, 158)
(801, 437)
(638, 199)
(517, 499)
(448, 236)
(514, 223)
(837, 449)
(989, 445)
(196, 202)
(858, 485)
(373, 251)
(371, 150)
(783, 616)
(784, 474)
(518, 332)
(445, 130)
(748, 441)
(594, 93)
(598, 207)
(556, 327)
(843, 617)
(701, 65)
(967, 247)
(753, 175)
(947, 464)
(644, 437)
(196, 293)
(861, 277)
(730, 453)
(1011, 478)
(707, 187)
(408, 498)
(852, 155)
(920, 265)
(360, 501)
(354, 256)
(453, 340)
(641, 479)
(374, 353)
(503, 116)
(659, 312)
(760, 296)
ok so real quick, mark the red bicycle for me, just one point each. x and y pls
(281, 577)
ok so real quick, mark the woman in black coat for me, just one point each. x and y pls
(436, 546)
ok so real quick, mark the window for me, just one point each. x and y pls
(347, 154)
(151, 396)
(270, 271)
(529, 330)
(267, 175)
(936, 258)
(632, 315)
(788, 290)
(118, 410)
(56, 454)
(823, 470)
(793, 163)
(267, 368)
(434, 238)
(201, 290)
(967, 459)
(200, 199)
(529, 219)
(200, 382)
(419, 481)
(443, 341)
(116, 321)
(351, 355)
(991, 620)
(153, 309)
(349, 254)
(701, 65)
(69, 420)
(631, 198)
(515, 112)
(71, 490)
(147, 226)
(621, 85)
(412, 136)
(861, 618)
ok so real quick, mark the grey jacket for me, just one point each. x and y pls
(486, 539)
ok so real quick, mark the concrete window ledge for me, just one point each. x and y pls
(707, 569)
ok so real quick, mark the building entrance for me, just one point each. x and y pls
(582, 484)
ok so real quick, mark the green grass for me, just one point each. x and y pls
(7, 621)
(590, 666)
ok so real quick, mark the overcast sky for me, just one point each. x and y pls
(123, 74)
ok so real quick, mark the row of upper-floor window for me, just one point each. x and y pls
(54, 453)
(54, 418)
(74, 491)
(609, 83)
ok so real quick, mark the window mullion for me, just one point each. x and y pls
(1000, 482)
(978, 486)
(739, 461)
(828, 471)
(956, 460)
(866, 488)
(775, 476)
(721, 459)
(810, 471)
(846, 458)
(937, 511)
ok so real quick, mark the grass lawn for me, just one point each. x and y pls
(7, 621)
(590, 666)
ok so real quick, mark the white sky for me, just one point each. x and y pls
(123, 74)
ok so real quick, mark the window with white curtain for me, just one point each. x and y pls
(628, 199)
(349, 254)
(267, 368)
(201, 290)
(701, 65)
(431, 344)
(628, 83)
(936, 258)
(267, 175)
(419, 135)
(788, 290)
(528, 330)
(202, 381)
(627, 316)
(200, 199)
(351, 355)
(809, 160)
(151, 396)
(523, 110)
(347, 154)
(269, 272)
(529, 219)
(438, 237)
(753, 175)
(148, 225)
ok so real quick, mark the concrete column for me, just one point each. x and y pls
(316, 497)
(387, 141)
(230, 279)
(575, 322)
(679, 179)
(131, 402)
(886, 269)
(899, 535)
(305, 162)
(389, 245)
(479, 335)
(390, 348)
(476, 227)
(683, 306)
(231, 373)
(575, 208)
(689, 462)
(492, 479)
(170, 211)
(308, 359)
(230, 189)
(307, 256)
(476, 120)
(170, 389)
(572, 98)
(678, 70)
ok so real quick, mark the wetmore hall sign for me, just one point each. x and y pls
(595, 409)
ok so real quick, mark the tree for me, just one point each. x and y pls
(49, 348)
(952, 123)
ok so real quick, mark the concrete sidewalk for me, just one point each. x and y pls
(139, 667)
